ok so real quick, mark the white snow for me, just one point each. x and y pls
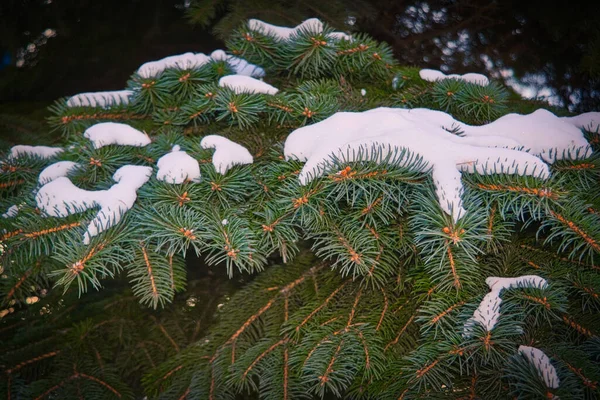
(543, 133)
(107, 133)
(433, 75)
(11, 212)
(227, 153)
(177, 167)
(589, 121)
(355, 135)
(542, 364)
(56, 170)
(246, 84)
(190, 61)
(43, 152)
(488, 312)
(239, 65)
(284, 33)
(100, 99)
(61, 198)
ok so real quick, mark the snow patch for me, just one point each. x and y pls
(56, 170)
(11, 212)
(239, 65)
(488, 312)
(542, 364)
(589, 121)
(100, 99)
(246, 84)
(285, 33)
(373, 134)
(433, 75)
(182, 61)
(43, 152)
(541, 132)
(106, 133)
(191, 61)
(177, 167)
(61, 198)
(227, 153)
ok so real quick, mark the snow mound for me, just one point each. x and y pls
(373, 134)
(488, 312)
(177, 167)
(246, 84)
(56, 170)
(433, 75)
(106, 133)
(61, 198)
(43, 152)
(227, 153)
(542, 364)
(100, 99)
(285, 33)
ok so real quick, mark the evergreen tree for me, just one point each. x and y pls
(399, 252)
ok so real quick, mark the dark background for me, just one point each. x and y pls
(99, 43)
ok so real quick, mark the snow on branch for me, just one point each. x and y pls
(227, 153)
(433, 75)
(56, 170)
(107, 133)
(100, 99)
(488, 312)
(43, 152)
(185, 61)
(589, 121)
(239, 65)
(542, 364)
(246, 84)
(361, 136)
(61, 198)
(177, 167)
(285, 33)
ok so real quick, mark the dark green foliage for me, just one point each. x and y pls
(364, 288)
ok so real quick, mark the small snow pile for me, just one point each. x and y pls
(106, 133)
(589, 121)
(239, 65)
(542, 364)
(246, 84)
(56, 170)
(177, 167)
(61, 198)
(227, 153)
(357, 136)
(191, 61)
(284, 33)
(43, 152)
(100, 99)
(488, 312)
(11, 212)
(433, 75)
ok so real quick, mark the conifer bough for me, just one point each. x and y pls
(410, 237)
